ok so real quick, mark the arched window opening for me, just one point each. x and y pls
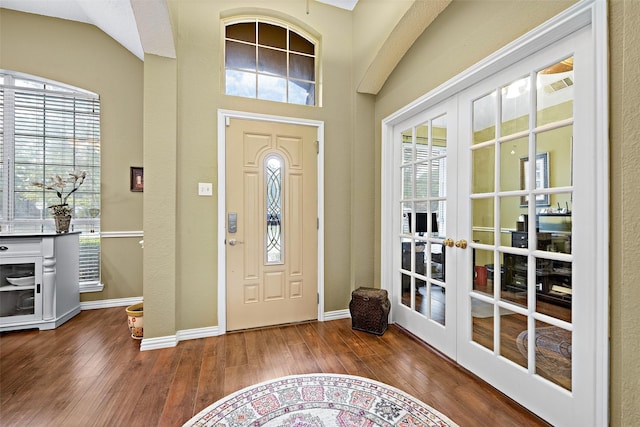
(270, 61)
(50, 129)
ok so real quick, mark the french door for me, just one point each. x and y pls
(498, 229)
(426, 213)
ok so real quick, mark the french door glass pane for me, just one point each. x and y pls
(559, 144)
(484, 118)
(514, 288)
(515, 107)
(555, 92)
(553, 356)
(483, 325)
(407, 146)
(510, 154)
(532, 236)
(483, 265)
(423, 208)
(483, 165)
(407, 181)
(422, 142)
(483, 220)
(512, 326)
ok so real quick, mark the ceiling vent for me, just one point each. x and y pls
(558, 85)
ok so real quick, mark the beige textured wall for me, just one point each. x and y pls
(373, 21)
(81, 55)
(624, 50)
(160, 200)
(199, 96)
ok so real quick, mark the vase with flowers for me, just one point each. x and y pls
(61, 211)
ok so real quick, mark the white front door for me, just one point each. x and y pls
(271, 223)
(507, 285)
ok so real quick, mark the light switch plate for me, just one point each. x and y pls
(205, 189)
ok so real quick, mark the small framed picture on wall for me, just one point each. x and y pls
(137, 179)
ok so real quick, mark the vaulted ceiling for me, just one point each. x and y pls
(143, 26)
(138, 25)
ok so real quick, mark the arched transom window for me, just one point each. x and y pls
(271, 61)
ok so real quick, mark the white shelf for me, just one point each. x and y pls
(10, 288)
(49, 295)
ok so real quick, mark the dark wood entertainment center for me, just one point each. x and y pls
(553, 278)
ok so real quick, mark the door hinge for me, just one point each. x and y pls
(317, 147)
(318, 299)
(317, 223)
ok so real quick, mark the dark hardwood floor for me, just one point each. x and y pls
(90, 372)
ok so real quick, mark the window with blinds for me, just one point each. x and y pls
(48, 129)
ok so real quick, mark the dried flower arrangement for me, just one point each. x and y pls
(59, 184)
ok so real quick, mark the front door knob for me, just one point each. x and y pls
(462, 244)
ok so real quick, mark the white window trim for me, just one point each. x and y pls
(290, 27)
(9, 142)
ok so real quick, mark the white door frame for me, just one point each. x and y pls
(583, 13)
(223, 118)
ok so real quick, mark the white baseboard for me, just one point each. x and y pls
(173, 340)
(108, 303)
(185, 334)
(192, 334)
(158, 343)
(338, 314)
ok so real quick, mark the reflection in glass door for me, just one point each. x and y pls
(426, 303)
(521, 213)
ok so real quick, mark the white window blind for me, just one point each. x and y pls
(50, 129)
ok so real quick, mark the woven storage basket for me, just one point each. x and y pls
(369, 309)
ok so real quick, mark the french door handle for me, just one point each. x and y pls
(462, 244)
(448, 242)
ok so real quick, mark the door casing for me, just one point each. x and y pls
(223, 117)
(584, 13)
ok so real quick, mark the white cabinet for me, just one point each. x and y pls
(38, 280)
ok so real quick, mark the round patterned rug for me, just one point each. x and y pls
(316, 400)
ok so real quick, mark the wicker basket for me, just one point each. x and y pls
(369, 309)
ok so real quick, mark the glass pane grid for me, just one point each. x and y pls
(423, 208)
(284, 71)
(522, 222)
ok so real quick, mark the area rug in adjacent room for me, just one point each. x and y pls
(553, 349)
(315, 400)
